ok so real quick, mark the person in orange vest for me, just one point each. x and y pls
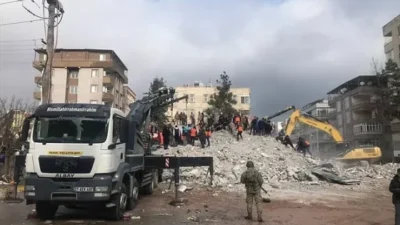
(193, 134)
(236, 119)
(303, 146)
(208, 135)
(239, 131)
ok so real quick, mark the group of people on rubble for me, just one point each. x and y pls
(303, 146)
(261, 126)
(182, 135)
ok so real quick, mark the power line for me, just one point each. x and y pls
(9, 2)
(14, 45)
(16, 50)
(20, 40)
(21, 22)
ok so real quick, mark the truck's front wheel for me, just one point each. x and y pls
(120, 200)
(46, 210)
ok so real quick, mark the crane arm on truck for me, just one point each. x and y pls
(280, 112)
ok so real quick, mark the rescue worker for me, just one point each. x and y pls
(177, 135)
(394, 188)
(236, 119)
(252, 179)
(239, 131)
(287, 141)
(202, 137)
(166, 135)
(303, 146)
(208, 136)
(193, 134)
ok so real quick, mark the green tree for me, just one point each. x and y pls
(223, 100)
(159, 116)
(389, 81)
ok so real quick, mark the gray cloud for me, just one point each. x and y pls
(288, 52)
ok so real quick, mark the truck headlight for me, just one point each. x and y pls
(101, 189)
(29, 188)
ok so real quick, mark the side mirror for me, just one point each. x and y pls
(123, 131)
(25, 129)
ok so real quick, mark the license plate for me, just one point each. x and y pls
(83, 189)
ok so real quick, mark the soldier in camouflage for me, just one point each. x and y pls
(253, 181)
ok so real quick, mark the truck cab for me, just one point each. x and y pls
(79, 155)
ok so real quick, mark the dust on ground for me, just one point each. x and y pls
(215, 206)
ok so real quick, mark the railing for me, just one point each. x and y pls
(368, 128)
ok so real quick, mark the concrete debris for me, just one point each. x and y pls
(281, 167)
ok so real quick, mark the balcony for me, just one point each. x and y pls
(365, 91)
(37, 95)
(108, 81)
(368, 129)
(364, 106)
(38, 79)
(108, 97)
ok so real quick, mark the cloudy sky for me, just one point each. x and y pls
(289, 52)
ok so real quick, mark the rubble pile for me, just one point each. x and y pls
(280, 166)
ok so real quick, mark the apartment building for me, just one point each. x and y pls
(359, 115)
(94, 76)
(391, 34)
(320, 141)
(130, 97)
(199, 95)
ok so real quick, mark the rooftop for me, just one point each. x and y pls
(369, 80)
(313, 103)
(112, 52)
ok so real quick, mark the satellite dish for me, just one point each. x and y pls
(362, 83)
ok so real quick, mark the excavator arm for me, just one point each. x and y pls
(298, 117)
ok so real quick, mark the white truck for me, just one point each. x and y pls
(90, 155)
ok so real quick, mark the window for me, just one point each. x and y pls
(339, 120)
(348, 115)
(338, 106)
(245, 100)
(105, 90)
(93, 88)
(234, 97)
(191, 98)
(93, 102)
(73, 89)
(102, 57)
(70, 130)
(103, 103)
(116, 129)
(73, 74)
(95, 73)
(205, 96)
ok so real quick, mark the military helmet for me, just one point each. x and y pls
(249, 164)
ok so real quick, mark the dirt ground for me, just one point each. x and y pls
(210, 206)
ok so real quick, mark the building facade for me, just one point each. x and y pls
(199, 95)
(359, 115)
(391, 33)
(94, 76)
(320, 141)
(130, 97)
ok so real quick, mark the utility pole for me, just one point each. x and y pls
(46, 77)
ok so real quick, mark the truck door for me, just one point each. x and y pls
(119, 151)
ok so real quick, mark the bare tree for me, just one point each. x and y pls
(13, 111)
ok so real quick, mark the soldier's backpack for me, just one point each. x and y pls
(251, 177)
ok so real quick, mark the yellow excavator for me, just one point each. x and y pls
(370, 154)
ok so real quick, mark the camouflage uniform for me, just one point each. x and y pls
(253, 181)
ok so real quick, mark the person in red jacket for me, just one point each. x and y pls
(239, 131)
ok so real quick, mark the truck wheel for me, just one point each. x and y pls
(120, 200)
(149, 188)
(155, 179)
(132, 201)
(46, 210)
